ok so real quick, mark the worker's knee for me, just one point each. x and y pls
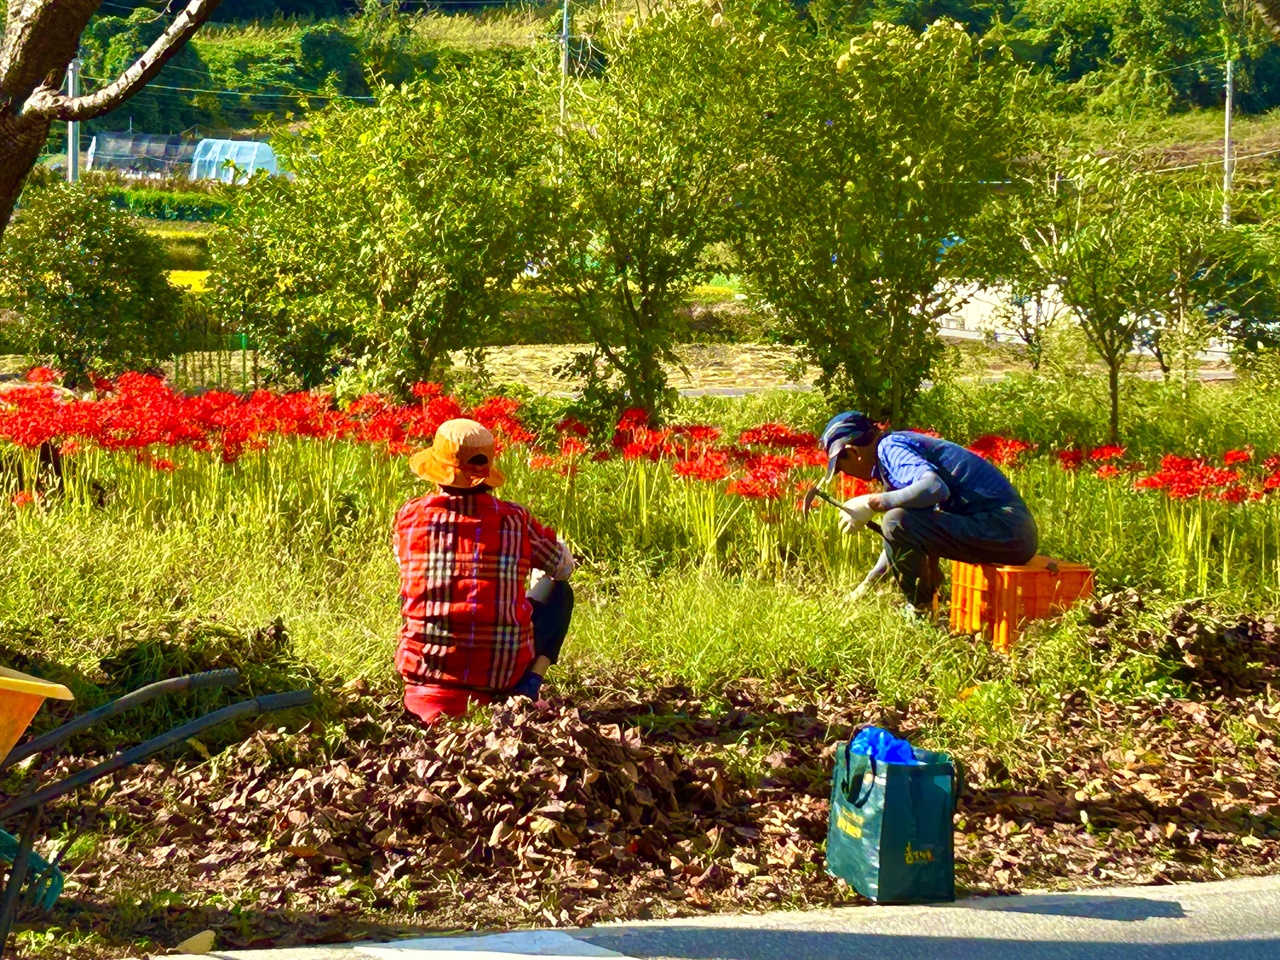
(893, 526)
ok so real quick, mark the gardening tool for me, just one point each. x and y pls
(46, 879)
(815, 492)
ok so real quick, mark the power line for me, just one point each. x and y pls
(1214, 163)
(298, 94)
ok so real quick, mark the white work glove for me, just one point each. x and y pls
(855, 513)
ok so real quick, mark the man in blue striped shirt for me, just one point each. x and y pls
(939, 501)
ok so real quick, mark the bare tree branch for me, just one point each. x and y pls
(49, 103)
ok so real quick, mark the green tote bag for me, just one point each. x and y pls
(889, 835)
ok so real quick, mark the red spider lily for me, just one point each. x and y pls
(1233, 457)
(697, 432)
(1234, 494)
(163, 465)
(1185, 477)
(998, 449)
(633, 418)
(754, 488)
(425, 391)
(572, 447)
(43, 375)
(1070, 459)
(765, 479)
(600, 456)
(809, 457)
(647, 444)
(851, 487)
(1108, 471)
(101, 384)
(540, 461)
(573, 425)
(775, 435)
(140, 412)
(69, 448)
(710, 467)
(23, 498)
(368, 403)
(1107, 452)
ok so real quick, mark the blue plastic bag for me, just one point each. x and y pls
(879, 744)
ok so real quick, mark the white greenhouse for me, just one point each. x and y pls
(232, 161)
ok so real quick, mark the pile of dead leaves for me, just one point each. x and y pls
(648, 802)
(523, 812)
(1209, 653)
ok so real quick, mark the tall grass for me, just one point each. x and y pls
(680, 580)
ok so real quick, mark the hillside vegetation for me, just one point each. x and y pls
(1113, 59)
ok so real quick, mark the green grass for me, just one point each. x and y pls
(680, 583)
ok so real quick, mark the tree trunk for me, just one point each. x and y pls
(1113, 381)
(39, 39)
(21, 141)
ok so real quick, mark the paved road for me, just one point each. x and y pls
(1239, 920)
(1231, 920)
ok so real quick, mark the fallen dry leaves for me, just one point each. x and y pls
(641, 803)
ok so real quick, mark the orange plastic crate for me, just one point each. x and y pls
(999, 600)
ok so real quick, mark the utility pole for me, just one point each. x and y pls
(1227, 160)
(73, 126)
(564, 60)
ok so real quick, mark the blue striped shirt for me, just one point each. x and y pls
(976, 485)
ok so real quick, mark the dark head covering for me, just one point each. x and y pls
(844, 429)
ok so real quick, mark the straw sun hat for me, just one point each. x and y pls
(461, 455)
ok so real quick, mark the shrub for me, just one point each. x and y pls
(401, 236)
(166, 204)
(87, 283)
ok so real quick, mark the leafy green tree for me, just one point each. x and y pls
(401, 233)
(87, 285)
(647, 171)
(1220, 282)
(874, 165)
(111, 43)
(1124, 54)
(1103, 249)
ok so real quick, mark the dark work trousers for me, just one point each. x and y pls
(551, 621)
(916, 540)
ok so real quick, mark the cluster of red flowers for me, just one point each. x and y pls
(760, 463)
(139, 412)
(1002, 450)
(1181, 478)
(1186, 477)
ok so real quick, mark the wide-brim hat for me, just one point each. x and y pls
(461, 455)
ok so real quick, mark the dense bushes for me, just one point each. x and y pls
(87, 284)
(166, 204)
(402, 235)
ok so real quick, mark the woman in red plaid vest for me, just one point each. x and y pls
(469, 632)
